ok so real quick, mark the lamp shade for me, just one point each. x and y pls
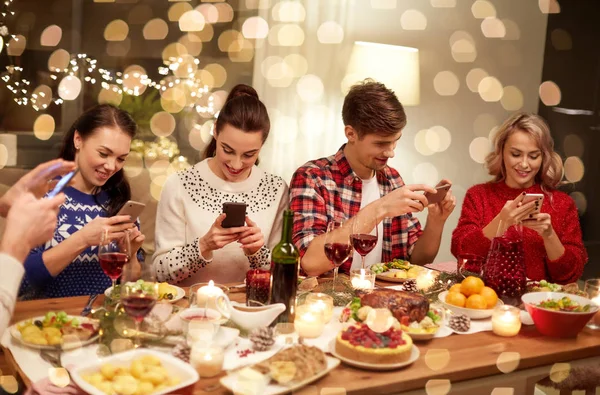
(395, 66)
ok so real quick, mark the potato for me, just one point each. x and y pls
(36, 339)
(95, 379)
(144, 388)
(51, 332)
(137, 368)
(125, 385)
(109, 371)
(400, 274)
(154, 375)
(54, 340)
(150, 360)
(106, 387)
(31, 330)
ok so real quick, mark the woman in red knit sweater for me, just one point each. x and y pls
(524, 161)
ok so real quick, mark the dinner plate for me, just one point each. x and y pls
(474, 314)
(414, 355)
(391, 279)
(179, 296)
(443, 331)
(14, 332)
(231, 381)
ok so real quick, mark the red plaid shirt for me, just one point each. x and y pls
(328, 188)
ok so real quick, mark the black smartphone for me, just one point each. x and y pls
(62, 183)
(236, 214)
(442, 190)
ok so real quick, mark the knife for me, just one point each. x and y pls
(88, 307)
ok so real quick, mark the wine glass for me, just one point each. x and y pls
(113, 255)
(139, 292)
(364, 236)
(469, 263)
(337, 248)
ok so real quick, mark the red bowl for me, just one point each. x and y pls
(557, 323)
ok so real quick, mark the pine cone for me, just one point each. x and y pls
(182, 351)
(410, 285)
(459, 323)
(262, 338)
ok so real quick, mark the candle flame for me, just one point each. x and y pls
(362, 274)
(211, 283)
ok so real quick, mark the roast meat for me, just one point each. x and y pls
(400, 303)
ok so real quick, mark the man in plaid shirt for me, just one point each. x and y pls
(357, 183)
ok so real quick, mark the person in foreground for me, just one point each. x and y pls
(30, 222)
(523, 161)
(67, 265)
(191, 243)
(357, 183)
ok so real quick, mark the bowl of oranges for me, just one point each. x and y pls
(472, 298)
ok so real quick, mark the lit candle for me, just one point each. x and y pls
(321, 302)
(360, 279)
(425, 280)
(308, 323)
(207, 295)
(506, 321)
(208, 361)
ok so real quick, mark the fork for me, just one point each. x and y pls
(52, 356)
(88, 307)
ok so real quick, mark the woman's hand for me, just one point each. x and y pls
(252, 238)
(136, 239)
(514, 211)
(218, 237)
(541, 223)
(94, 230)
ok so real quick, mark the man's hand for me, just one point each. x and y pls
(442, 210)
(404, 200)
(37, 182)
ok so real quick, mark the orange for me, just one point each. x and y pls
(456, 299)
(471, 286)
(490, 296)
(476, 302)
(455, 288)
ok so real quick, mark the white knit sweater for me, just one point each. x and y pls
(191, 201)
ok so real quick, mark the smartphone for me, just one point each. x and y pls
(530, 197)
(236, 214)
(132, 208)
(442, 190)
(62, 184)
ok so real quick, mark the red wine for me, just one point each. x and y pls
(363, 244)
(338, 253)
(258, 286)
(112, 263)
(284, 271)
(138, 306)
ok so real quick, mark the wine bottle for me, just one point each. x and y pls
(284, 271)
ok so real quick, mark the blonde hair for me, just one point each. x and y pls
(551, 172)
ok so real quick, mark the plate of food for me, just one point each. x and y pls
(56, 330)
(361, 347)
(289, 370)
(429, 327)
(139, 371)
(166, 292)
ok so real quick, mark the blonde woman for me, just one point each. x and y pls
(524, 162)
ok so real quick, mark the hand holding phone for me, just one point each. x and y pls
(236, 214)
(537, 197)
(442, 190)
(132, 208)
(62, 184)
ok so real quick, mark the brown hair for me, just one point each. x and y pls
(370, 107)
(103, 115)
(242, 110)
(551, 171)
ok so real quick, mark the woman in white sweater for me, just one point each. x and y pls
(191, 244)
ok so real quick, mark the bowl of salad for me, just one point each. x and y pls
(559, 314)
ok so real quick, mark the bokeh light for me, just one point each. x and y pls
(218, 98)
(255, 28)
(446, 83)
(218, 73)
(156, 29)
(508, 361)
(173, 51)
(437, 387)
(462, 47)
(580, 202)
(286, 35)
(413, 20)
(118, 48)
(206, 34)
(493, 28)
(550, 93)
(42, 96)
(512, 30)
(162, 124)
(225, 12)
(427, 173)
(503, 391)
(177, 10)
(59, 60)
(15, 47)
(173, 100)
(512, 98)
(258, 4)
(278, 73)
(549, 6)
(443, 3)
(69, 88)
(3, 162)
(116, 30)
(438, 138)
(490, 89)
(330, 32)
(310, 88)
(51, 36)
(479, 148)
(384, 4)
(482, 9)
(574, 169)
(560, 371)
(484, 124)
(133, 80)
(474, 77)
(437, 359)
(191, 21)
(9, 384)
(573, 145)
(139, 15)
(43, 127)
(227, 38)
(192, 43)
(112, 95)
(288, 11)
(561, 40)
(314, 120)
(422, 143)
(186, 66)
(209, 11)
(59, 376)
(241, 51)
(297, 63)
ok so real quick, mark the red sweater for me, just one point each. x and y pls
(484, 201)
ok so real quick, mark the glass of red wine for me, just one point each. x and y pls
(139, 293)
(113, 255)
(337, 248)
(364, 236)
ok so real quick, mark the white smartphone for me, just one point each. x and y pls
(132, 208)
(530, 197)
(62, 183)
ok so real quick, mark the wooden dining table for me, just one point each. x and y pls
(457, 364)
